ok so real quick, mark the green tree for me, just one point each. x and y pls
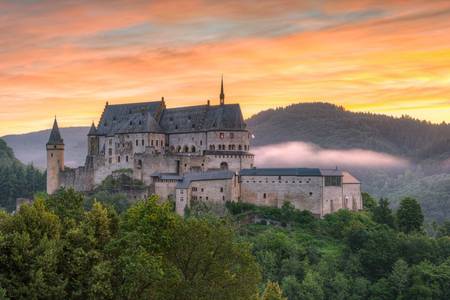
(312, 287)
(272, 292)
(399, 278)
(369, 202)
(382, 213)
(409, 215)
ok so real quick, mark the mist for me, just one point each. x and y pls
(299, 154)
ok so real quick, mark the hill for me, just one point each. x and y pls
(6, 154)
(30, 147)
(16, 179)
(330, 126)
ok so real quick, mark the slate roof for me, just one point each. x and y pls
(281, 172)
(129, 118)
(331, 172)
(203, 117)
(168, 176)
(55, 137)
(154, 117)
(201, 176)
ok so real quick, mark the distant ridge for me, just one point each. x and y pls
(331, 126)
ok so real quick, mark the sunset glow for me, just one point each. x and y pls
(67, 58)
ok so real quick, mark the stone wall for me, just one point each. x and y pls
(352, 196)
(234, 162)
(80, 179)
(305, 193)
(231, 140)
(55, 165)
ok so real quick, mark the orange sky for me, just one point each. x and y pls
(67, 58)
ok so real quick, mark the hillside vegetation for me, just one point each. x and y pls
(59, 247)
(330, 126)
(16, 179)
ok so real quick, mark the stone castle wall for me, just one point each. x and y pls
(305, 193)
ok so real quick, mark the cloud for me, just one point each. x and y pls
(69, 57)
(308, 155)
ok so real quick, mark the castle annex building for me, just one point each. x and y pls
(195, 153)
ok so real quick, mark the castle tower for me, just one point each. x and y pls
(55, 158)
(222, 95)
(93, 142)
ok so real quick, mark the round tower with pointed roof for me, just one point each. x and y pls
(55, 159)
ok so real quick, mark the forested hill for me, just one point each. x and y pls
(6, 154)
(16, 179)
(330, 126)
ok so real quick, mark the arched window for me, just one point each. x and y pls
(172, 149)
(186, 149)
(179, 149)
(193, 149)
(139, 164)
(212, 147)
(137, 143)
(240, 147)
(230, 147)
(224, 165)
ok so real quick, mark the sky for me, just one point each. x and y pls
(67, 58)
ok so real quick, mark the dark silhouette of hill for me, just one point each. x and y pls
(331, 126)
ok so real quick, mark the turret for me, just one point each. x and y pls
(55, 159)
(222, 94)
(93, 141)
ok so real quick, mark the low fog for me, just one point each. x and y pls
(299, 154)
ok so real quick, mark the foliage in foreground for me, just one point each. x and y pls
(56, 249)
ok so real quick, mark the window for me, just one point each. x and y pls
(201, 190)
(110, 141)
(264, 196)
(221, 189)
(142, 142)
(162, 143)
(231, 135)
(201, 142)
(221, 135)
(310, 193)
(137, 143)
(157, 143)
(206, 197)
(110, 151)
(118, 158)
(126, 158)
(333, 180)
(194, 189)
(151, 142)
(110, 160)
(223, 198)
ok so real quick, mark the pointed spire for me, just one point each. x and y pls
(55, 136)
(93, 130)
(222, 95)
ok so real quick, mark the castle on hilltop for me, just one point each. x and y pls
(195, 153)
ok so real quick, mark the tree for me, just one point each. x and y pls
(369, 202)
(410, 216)
(272, 292)
(211, 262)
(399, 278)
(383, 214)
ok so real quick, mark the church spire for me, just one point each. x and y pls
(93, 130)
(222, 95)
(55, 137)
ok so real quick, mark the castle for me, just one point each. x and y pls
(195, 153)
